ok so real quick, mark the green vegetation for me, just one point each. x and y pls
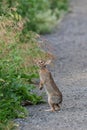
(42, 15)
(17, 69)
(19, 22)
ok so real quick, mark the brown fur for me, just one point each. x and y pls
(46, 80)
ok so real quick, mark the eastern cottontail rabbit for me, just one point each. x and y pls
(46, 79)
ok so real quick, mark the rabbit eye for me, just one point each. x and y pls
(41, 62)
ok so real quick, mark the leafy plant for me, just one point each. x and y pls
(10, 125)
(16, 71)
(41, 16)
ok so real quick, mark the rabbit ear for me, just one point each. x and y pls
(48, 62)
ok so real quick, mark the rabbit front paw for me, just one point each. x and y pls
(41, 86)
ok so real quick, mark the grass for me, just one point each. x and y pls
(18, 52)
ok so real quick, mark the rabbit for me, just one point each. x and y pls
(46, 80)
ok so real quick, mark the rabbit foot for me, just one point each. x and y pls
(57, 108)
(50, 110)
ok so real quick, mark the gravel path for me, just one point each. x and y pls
(69, 44)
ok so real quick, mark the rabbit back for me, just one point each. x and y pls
(53, 92)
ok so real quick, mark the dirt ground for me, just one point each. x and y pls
(69, 44)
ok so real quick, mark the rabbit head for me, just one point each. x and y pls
(42, 63)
